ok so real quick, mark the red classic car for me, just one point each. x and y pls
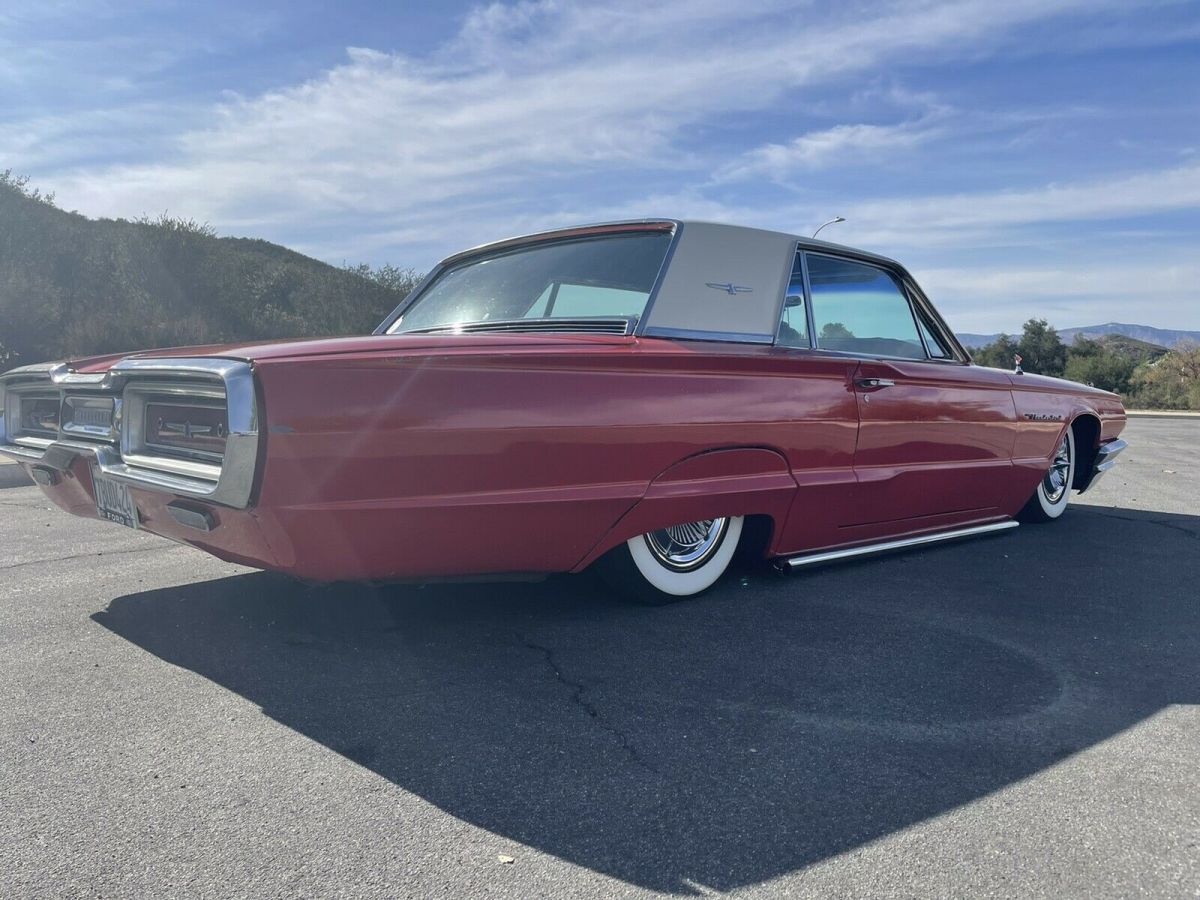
(639, 396)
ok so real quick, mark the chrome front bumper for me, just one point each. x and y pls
(1106, 458)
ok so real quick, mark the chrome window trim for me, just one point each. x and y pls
(688, 334)
(942, 330)
(850, 354)
(639, 327)
(898, 280)
(797, 262)
(230, 484)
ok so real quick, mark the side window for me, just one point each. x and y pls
(937, 347)
(861, 309)
(793, 324)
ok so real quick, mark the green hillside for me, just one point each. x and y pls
(72, 285)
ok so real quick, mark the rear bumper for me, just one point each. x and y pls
(235, 535)
(47, 464)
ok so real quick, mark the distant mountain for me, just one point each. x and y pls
(1162, 337)
(975, 341)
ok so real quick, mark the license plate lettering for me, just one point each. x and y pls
(113, 502)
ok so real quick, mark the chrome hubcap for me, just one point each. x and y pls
(1055, 483)
(689, 546)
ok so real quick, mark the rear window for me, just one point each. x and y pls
(606, 276)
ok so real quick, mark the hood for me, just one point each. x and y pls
(380, 343)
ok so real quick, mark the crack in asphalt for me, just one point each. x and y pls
(578, 698)
(57, 559)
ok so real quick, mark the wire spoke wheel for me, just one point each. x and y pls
(1053, 491)
(688, 546)
(1056, 481)
(671, 563)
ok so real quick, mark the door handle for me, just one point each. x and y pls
(871, 383)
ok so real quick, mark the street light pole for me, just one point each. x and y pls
(832, 221)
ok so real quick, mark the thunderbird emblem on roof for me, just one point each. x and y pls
(729, 288)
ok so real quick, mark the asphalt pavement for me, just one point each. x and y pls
(1013, 716)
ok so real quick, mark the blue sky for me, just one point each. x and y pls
(1023, 158)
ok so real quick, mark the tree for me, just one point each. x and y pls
(998, 354)
(835, 331)
(71, 286)
(1042, 351)
(1091, 362)
(1170, 382)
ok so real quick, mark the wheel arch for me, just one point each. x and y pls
(755, 482)
(1086, 427)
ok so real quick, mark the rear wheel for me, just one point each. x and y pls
(1049, 500)
(673, 563)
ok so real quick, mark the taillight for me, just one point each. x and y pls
(38, 416)
(200, 428)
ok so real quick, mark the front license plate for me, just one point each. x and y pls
(113, 501)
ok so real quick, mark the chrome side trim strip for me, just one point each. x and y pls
(812, 559)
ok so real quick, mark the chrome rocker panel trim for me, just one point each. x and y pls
(231, 484)
(813, 559)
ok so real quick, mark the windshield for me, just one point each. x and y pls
(606, 276)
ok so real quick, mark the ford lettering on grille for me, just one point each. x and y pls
(93, 417)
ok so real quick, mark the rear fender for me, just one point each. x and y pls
(732, 482)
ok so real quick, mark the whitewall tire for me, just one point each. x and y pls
(1053, 493)
(673, 563)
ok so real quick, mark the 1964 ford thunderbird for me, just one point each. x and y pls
(639, 396)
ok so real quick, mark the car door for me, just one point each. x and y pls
(820, 431)
(936, 434)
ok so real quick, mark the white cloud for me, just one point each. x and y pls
(544, 113)
(526, 94)
(1080, 292)
(839, 145)
(914, 220)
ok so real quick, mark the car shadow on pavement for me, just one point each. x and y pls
(12, 475)
(731, 739)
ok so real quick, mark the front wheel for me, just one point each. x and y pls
(673, 563)
(1053, 492)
